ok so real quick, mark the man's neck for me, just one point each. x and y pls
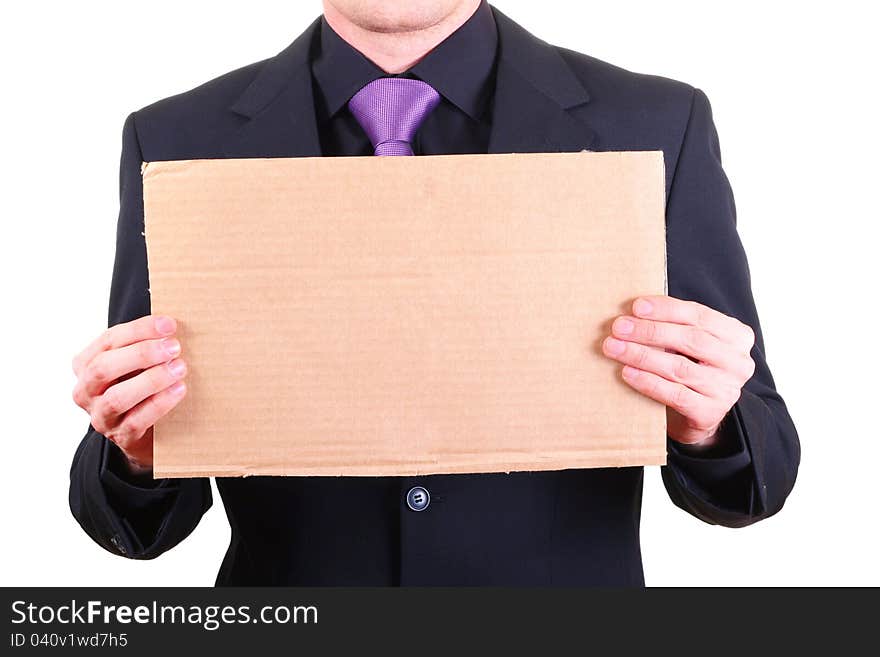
(397, 51)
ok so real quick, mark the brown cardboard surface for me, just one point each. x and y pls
(404, 316)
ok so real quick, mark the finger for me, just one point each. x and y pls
(125, 395)
(687, 340)
(108, 366)
(149, 327)
(145, 414)
(700, 410)
(704, 379)
(669, 309)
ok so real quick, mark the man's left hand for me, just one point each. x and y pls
(691, 358)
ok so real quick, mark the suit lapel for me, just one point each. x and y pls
(534, 93)
(278, 107)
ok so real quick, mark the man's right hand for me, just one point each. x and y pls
(127, 379)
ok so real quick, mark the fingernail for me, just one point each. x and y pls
(172, 347)
(628, 373)
(643, 307)
(614, 347)
(178, 389)
(623, 326)
(177, 368)
(164, 325)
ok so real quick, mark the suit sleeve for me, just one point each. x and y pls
(136, 517)
(751, 476)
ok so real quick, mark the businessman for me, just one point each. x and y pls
(423, 77)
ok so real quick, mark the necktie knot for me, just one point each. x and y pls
(391, 110)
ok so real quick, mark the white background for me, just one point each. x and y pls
(793, 86)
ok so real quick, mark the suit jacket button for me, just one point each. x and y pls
(418, 498)
(117, 543)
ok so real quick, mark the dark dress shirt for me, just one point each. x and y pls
(461, 69)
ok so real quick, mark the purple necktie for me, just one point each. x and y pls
(390, 110)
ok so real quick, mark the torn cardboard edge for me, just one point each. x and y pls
(613, 459)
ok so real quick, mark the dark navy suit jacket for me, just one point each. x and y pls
(575, 527)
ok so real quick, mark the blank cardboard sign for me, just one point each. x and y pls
(404, 315)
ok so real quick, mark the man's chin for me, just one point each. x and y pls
(396, 16)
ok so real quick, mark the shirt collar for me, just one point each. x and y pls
(460, 68)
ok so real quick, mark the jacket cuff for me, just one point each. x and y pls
(723, 476)
(140, 502)
(127, 490)
(728, 458)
